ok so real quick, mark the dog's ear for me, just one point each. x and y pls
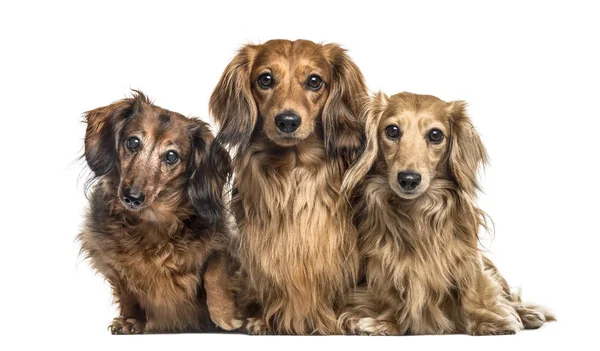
(373, 111)
(231, 103)
(104, 125)
(342, 127)
(207, 177)
(466, 152)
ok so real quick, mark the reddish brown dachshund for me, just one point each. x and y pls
(290, 109)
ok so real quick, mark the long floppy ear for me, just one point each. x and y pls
(343, 129)
(103, 128)
(207, 177)
(231, 103)
(466, 152)
(373, 111)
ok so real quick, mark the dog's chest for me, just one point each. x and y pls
(289, 223)
(409, 255)
(162, 271)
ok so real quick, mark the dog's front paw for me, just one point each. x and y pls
(257, 326)
(224, 315)
(372, 326)
(228, 323)
(122, 326)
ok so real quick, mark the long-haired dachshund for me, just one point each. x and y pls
(156, 228)
(415, 187)
(290, 110)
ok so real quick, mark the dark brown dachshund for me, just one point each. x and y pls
(156, 227)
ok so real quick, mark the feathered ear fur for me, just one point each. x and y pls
(104, 125)
(373, 111)
(231, 103)
(466, 152)
(342, 126)
(207, 177)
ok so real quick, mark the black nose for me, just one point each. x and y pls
(134, 198)
(287, 122)
(409, 180)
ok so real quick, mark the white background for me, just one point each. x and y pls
(529, 71)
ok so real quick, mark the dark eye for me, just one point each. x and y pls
(392, 131)
(171, 157)
(133, 144)
(435, 136)
(265, 81)
(314, 82)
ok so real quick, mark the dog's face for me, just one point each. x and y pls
(154, 149)
(290, 84)
(413, 140)
(418, 139)
(287, 91)
(156, 159)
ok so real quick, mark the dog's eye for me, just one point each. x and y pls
(392, 131)
(314, 82)
(133, 144)
(435, 136)
(171, 157)
(265, 81)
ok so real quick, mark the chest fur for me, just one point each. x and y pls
(291, 225)
(416, 253)
(161, 270)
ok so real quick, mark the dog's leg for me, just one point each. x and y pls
(485, 309)
(219, 294)
(132, 318)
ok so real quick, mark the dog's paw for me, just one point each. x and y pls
(229, 324)
(531, 319)
(372, 326)
(257, 326)
(124, 326)
(346, 323)
(225, 317)
(499, 326)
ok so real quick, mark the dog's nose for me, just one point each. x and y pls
(287, 122)
(409, 180)
(134, 198)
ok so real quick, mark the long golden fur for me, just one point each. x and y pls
(415, 187)
(296, 246)
(156, 228)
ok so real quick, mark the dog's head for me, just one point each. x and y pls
(157, 159)
(417, 139)
(292, 89)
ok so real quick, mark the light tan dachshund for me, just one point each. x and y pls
(414, 188)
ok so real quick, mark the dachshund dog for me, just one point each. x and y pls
(290, 110)
(156, 228)
(414, 188)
